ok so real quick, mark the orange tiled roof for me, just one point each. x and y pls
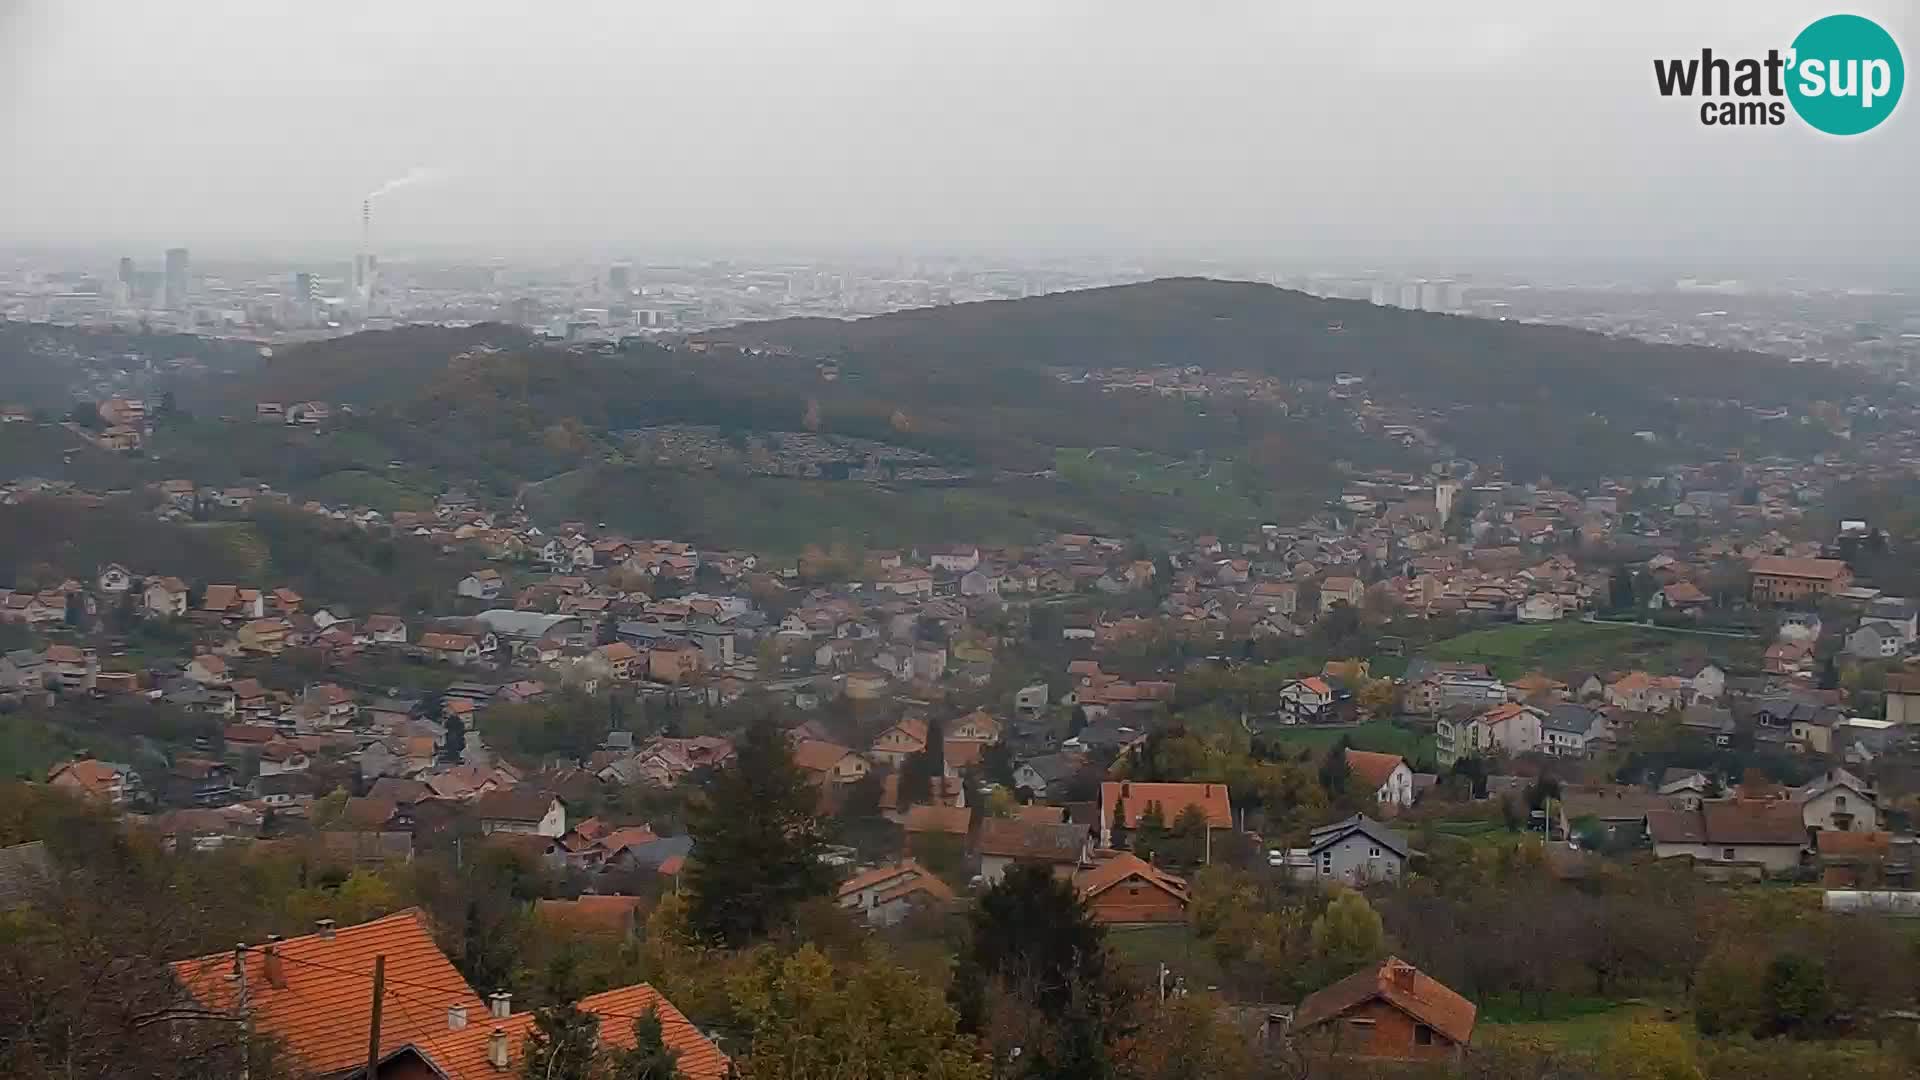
(592, 914)
(1401, 985)
(1125, 867)
(1173, 798)
(1372, 769)
(462, 1055)
(319, 1004)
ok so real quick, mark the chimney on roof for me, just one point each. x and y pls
(500, 1004)
(1402, 975)
(1126, 789)
(270, 958)
(323, 927)
(456, 1017)
(497, 1049)
(239, 957)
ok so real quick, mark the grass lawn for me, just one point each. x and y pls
(1176, 946)
(1383, 736)
(1579, 1024)
(1564, 647)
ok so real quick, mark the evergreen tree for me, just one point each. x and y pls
(1334, 771)
(454, 747)
(561, 1045)
(1032, 933)
(756, 842)
(649, 1058)
(1829, 673)
(1151, 831)
(1620, 595)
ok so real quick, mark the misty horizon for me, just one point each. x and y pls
(1400, 134)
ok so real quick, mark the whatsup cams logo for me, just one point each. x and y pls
(1842, 75)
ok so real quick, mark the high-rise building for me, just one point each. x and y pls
(1378, 294)
(1430, 296)
(1409, 297)
(1456, 296)
(175, 284)
(126, 271)
(619, 279)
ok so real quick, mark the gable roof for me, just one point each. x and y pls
(1373, 769)
(319, 1004)
(926, 817)
(1125, 867)
(1037, 841)
(1730, 821)
(1173, 798)
(514, 804)
(462, 1054)
(1362, 825)
(1785, 566)
(1400, 985)
(817, 755)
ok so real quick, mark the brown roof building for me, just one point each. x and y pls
(1392, 1012)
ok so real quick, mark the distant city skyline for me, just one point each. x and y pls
(1388, 130)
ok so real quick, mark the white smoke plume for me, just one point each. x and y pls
(414, 176)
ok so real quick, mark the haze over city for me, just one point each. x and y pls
(1316, 131)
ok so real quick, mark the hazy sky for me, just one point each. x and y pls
(1272, 127)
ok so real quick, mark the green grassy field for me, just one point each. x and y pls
(1383, 736)
(1572, 1024)
(1147, 947)
(1564, 647)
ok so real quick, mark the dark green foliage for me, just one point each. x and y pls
(649, 1058)
(454, 746)
(1799, 1000)
(561, 1045)
(1032, 928)
(756, 842)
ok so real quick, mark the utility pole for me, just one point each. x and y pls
(373, 1029)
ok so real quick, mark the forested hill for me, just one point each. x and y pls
(1227, 326)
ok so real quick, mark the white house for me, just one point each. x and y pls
(1876, 640)
(1386, 775)
(1567, 728)
(1709, 683)
(1839, 801)
(114, 579)
(959, 559)
(481, 585)
(1767, 834)
(522, 810)
(1539, 607)
(1513, 728)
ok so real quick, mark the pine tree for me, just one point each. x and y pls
(561, 1045)
(756, 842)
(649, 1058)
(454, 747)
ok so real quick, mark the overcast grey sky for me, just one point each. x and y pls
(1280, 126)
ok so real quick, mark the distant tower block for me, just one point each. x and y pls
(1443, 493)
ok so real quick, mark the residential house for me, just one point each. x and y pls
(1616, 810)
(103, 782)
(1348, 590)
(310, 994)
(266, 636)
(622, 659)
(957, 559)
(1510, 728)
(521, 810)
(481, 585)
(1002, 842)
(383, 630)
(1680, 596)
(279, 756)
(1540, 607)
(1641, 692)
(901, 741)
(675, 661)
(830, 763)
(886, 895)
(1386, 776)
(1122, 802)
(1876, 640)
(1125, 890)
(164, 597)
(1047, 775)
(1903, 698)
(1568, 728)
(1307, 701)
(1357, 851)
(450, 648)
(208, 669)
(1781, 579)
(1838, 801)
(976, 726)
(1385, 1013)
(70, 667)
(1769, 834)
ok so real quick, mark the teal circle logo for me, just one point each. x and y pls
(1846, 75)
